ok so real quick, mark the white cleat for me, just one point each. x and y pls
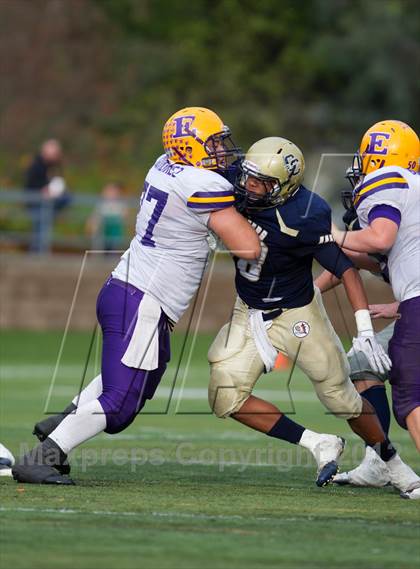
(372, 471)
(402, 477)
(411, 494)
(326, 450)
(6, 461)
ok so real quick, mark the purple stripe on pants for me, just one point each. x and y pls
(125, 389)
(404, 350)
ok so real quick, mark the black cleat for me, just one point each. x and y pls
(40, 474)
(44, 428)
(45, 464)
(327, 473)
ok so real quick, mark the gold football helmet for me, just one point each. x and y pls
(197, 137)
(386, 143)
(276, 162)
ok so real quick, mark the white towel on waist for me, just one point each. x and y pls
(264, 346)
(143, 349)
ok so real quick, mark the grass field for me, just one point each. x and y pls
(180, 488)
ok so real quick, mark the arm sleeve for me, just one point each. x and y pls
(386, 188)
(212, 193)
(332, 258)
(386, 211)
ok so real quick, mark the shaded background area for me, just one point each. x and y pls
(103, 75)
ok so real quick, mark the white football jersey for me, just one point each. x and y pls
(168, 254)
(399, 188)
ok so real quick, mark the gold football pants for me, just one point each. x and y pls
(305, 335)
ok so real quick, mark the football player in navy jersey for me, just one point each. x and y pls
(278, 310)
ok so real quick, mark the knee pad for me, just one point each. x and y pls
(224, 397)
(340, 397)
(235, 366)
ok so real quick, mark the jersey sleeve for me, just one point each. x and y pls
(385, 211)
(332, 258)
(386, 188)
(213, 192)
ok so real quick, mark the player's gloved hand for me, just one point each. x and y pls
(377, 357)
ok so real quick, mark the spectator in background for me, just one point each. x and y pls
(107, 222)
(47, 188)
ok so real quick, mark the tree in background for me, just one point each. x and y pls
(103, 75)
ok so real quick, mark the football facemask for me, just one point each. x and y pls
(278, 165)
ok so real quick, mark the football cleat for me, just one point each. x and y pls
(38, 466)
(5, 467)
(327, 473)
(411, 494)
(40, 474)
(44, 428)
(402, 477)
(6, 461)
(372, 471)
(327, 451)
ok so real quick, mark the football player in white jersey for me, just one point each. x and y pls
(184, 196)
(386, 179)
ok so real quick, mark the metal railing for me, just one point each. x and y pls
(30, 221)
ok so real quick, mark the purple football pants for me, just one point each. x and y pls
(404, 351)
(125, 389)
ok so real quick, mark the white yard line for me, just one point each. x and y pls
(280, 519)
(69, 512)
(41, 371)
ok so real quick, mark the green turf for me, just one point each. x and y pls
(180, 488)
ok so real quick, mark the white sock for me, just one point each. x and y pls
(309, 439)
(88, 420)
(92, 391)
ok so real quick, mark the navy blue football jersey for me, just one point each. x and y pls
(294, 234)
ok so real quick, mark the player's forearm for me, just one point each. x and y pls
(357, 297)
(236, 233)
(326, 281)
(355, 290)
(363, 261)
(378, 237)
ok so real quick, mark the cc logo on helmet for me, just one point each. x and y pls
(292, 164)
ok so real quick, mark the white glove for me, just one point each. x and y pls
(377, 357)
